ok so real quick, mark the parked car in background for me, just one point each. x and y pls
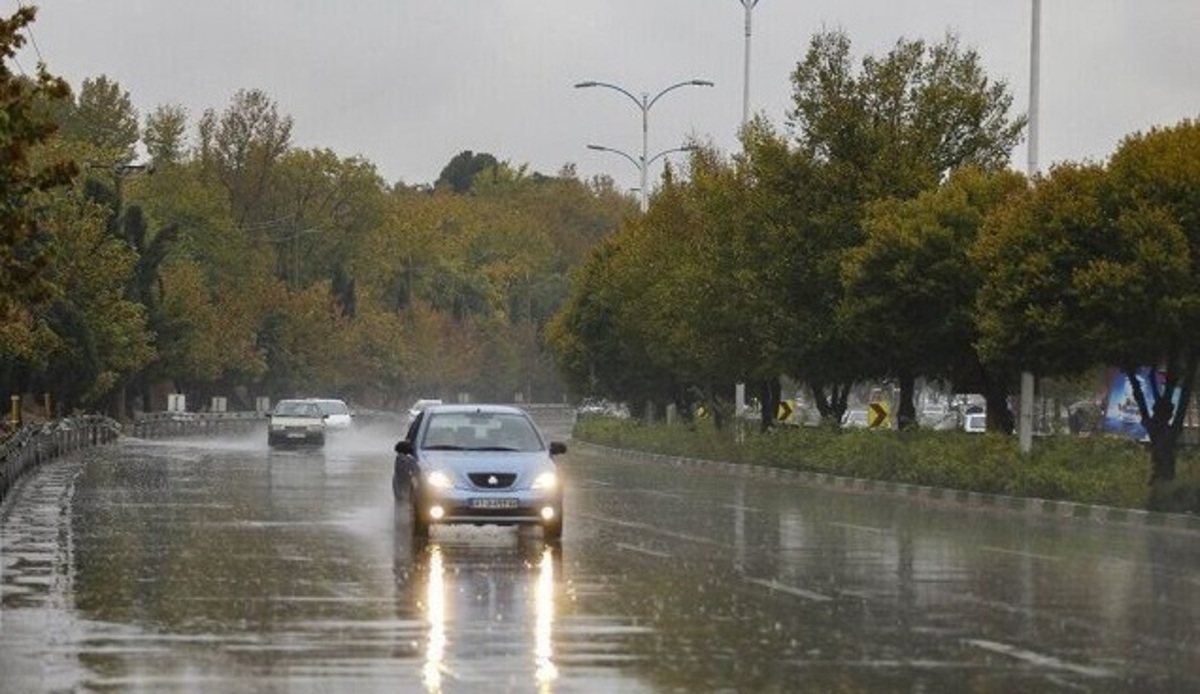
(479, 464)
(296, 422)
(336, 413)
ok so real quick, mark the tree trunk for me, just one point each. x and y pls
(906, 411)
(999, 417)
(1162, 458)
(769, 395)
(831, 403)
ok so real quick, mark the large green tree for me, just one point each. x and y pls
(241, 147)
(1097, 265)
(25, 246)
(890, 128)
(103, 115)
(910, 290)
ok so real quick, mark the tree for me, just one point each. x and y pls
(101, 333)
(459, 174)
(888, 130)
(242, 147)
(25, 246)
(911, 289)
(598, 345)
(1097, 265)
(165, 134)
(104, 116)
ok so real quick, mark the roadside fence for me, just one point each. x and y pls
(35, 444)
(158, 425)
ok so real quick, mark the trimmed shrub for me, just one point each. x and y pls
(1106, 471)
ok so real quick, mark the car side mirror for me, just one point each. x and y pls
(404, 447)
(557, 448)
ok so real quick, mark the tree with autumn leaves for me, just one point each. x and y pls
(233, 263)
(66, 325)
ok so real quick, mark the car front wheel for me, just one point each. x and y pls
(552, 529)
(420, 524)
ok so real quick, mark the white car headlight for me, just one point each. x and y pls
(439, 480)
(546, 480)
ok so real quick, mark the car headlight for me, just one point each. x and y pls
(546, 480)
(439, 480)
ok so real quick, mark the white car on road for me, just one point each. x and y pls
(336, 413)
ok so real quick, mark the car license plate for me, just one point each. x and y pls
(493, 503)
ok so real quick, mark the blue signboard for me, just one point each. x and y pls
(1121, 414)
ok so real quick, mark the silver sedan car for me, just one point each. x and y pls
(479, 464)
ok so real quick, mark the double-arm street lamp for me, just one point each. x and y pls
(644, 103)
(638, 163)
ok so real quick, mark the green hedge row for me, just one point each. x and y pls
(1106, 471)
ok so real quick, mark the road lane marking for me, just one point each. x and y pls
(791, 590)
(860, 528)
(655, 492)
(643, 550)
(650, 527)
(1019, 553)
(739, 507)
(1039, 659)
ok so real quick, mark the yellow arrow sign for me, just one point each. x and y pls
(877, 414)
(784, 411)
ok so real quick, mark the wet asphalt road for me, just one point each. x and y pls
(218, 565)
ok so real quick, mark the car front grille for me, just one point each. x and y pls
(492, 480)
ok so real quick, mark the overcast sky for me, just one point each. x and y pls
(408, 84)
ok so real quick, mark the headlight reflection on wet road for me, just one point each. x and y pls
(438, 592)
(546, 671)
(435, 606)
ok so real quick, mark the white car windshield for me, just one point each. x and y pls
(297, 408)
(480, 431)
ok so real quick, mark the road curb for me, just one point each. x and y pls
(1059, 509)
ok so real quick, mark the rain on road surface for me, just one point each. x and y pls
(218, 565)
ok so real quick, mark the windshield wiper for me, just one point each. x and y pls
(444, 447)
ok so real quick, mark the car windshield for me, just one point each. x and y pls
(297, 408)
(480, 431)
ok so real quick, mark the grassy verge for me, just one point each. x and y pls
(1096, 470)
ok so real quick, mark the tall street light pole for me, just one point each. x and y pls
(1025, 425)
(740, 388)
(644, 103)
(749, 6)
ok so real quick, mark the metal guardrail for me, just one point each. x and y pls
(157, 425)
(35, 444)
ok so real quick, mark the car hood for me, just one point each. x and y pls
(294, 419)
(487, 461)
